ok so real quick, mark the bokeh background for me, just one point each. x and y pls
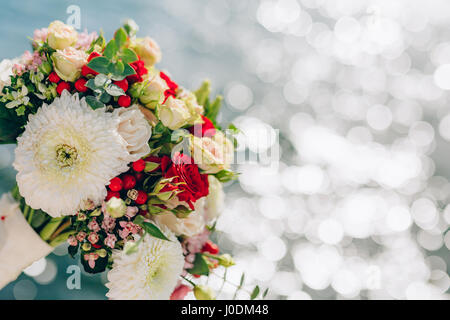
(355, 92)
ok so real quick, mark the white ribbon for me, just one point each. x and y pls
(20, 245)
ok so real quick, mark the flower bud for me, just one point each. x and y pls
(202, 292)
(45, 67)
(116, 207)
(226, 260)
(86, 246)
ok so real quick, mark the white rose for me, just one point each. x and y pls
(174, 113)
(215, 200)
(189, 226)
(191, 101)
(61, 35)
(212, 154)
(153, 92)
(6, 67)
(136, 131)
(148, 50)
(68, 63)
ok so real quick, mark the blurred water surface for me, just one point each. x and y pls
(357, 206)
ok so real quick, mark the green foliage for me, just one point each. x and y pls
(211, 108)
(150, 228)
(226, 175)
(200, 266)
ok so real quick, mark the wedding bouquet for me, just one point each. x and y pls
(115, 158)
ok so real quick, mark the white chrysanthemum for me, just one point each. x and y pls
(69, 153)
(150, 273)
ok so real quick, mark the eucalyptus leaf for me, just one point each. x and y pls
(94, 103)
(110, 49)
(120, 37)
(114, 90)
(128, 56)
(99, 64)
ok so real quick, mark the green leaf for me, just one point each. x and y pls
(241, 282)
(73, 250)
(203, 92)
(91, 84)
(265, 293)
(94, 103)
(110, 49)
(128, 56)
(100, 80)
(105, 97)
(255, 293)
(128, 70)
(200, 266)
(114, 90)
(119, 67)
(99, 64)
(154, 231)
(212, 111)
(120, 37)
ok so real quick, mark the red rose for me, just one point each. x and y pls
(187, 179)
(140, 69)
(172, 91)
(205, 129)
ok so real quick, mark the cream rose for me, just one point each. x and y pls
(212, 154)
(148, 50)
(68, 63)
(153, 92)
(61, 35)
(136, 130)
(190, 226)
(190, 100)
(215, 200)
(174, 113)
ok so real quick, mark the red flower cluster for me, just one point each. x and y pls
(172, 91)
(140, 69)
(205, 129)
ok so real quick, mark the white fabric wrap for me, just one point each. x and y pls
(20, 245)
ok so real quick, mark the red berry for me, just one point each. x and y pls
(115, 184)
(210, 247)
(123, 84)
(196, 275)
(128, 181)
(62, 86)
(53, 77)
(124, 101)
(85, 71)
(139, 176)
(112, 194)
(141, 198)
(139, 165)
(80, 85)
(93, 55)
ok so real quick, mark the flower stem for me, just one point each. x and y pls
(191, 282)
(50, 228)
(61, 238)
(60, 229)
(30, 216)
